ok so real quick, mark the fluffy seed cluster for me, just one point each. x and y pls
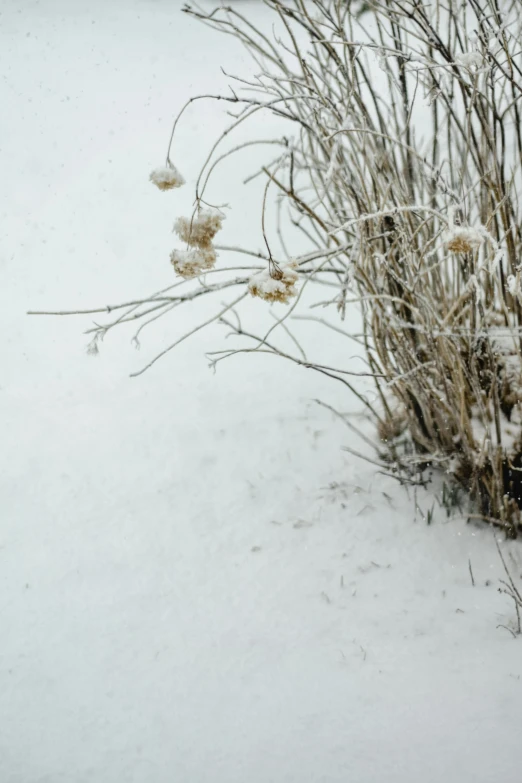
(276, 286)
(200, 230)
(192, 262)
(167, 177)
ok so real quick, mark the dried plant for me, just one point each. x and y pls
(403, 175)
(509, 588)
(276, 284)
(194, 261)
(167, 177)
(200, 230)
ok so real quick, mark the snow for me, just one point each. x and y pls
(472, 61)
(197, 582)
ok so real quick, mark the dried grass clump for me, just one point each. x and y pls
(408, 184)
(399, 166)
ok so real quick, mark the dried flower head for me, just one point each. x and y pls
(276, 286)
(463, 239)
(200, 230)
(167, 177)
(190, 263)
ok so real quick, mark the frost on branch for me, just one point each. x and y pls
(276, 285)
(472, 61)
(167, 177)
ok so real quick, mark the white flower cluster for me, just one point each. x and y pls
(167, 177)
(277, 285)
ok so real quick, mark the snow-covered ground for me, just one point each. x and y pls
(196, 582)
